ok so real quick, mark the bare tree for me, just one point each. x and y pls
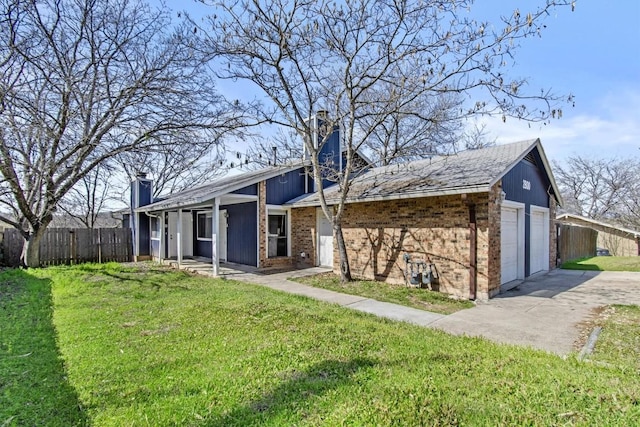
(601, 189)
(82, 81)
(404, 135)
(90, 196)
(174, 168)
(475, 137)
(365, 61)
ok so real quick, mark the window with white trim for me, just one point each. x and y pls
(155, 227)
(203, 225)
(277, 234)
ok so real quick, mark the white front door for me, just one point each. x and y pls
(187, 234)
(222, 239)
(509, 245)
(325, 240)
(538, 259)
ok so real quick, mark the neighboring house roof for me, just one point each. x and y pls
(217, 188)
(103, 220)
(470, 171)
(566, 217)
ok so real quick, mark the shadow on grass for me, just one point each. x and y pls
(290, 397)
(581, 264)
(34, 389)
(137, 275)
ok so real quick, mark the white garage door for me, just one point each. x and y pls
(509, 245)
(538, 254)
(325, 240)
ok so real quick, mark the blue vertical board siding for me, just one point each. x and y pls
(529, 184)
(330, 156)
(513, 184)
(203, 248)
(251, 190)
(144, 234)
(282, 188)
(144, 195)
(140, 192)
(242, 233)
(141, 195)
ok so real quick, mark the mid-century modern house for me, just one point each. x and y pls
(619, 241)
(482, 219)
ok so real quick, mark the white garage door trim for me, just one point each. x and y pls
(539, 247)
(325, 240)
(508, 274)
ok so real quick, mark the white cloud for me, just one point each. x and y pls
(611, 129)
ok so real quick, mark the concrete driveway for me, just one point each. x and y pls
(544, 311)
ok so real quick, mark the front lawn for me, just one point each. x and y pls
(157, 347)
(34, 389)
(422, 299)
(619, 341)
(605, 263)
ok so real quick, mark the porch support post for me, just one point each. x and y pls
(179, 237)
(160, 220)
(215, 230)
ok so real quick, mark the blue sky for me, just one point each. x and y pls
(593, 53)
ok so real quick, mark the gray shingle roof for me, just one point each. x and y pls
(216, 188)
(466, 172)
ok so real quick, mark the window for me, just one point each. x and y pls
(155, 227)
(204, 225)
(277, 235)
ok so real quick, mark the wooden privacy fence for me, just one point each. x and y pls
(576, 242)
(71, 246)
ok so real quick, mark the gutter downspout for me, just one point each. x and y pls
(473, 253)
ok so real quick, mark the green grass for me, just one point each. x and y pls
(605, 263)
(34, 389)
(619, 341)
(158, 348)
(422, 299)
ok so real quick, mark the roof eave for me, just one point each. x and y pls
(446, 192)
(568, 216)
(190, 203)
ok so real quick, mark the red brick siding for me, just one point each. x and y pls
(378, 234)
(303, 236)
(494, 252)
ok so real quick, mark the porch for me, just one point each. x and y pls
(204, 266)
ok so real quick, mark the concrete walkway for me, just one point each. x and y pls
(543, 312)
(278, 281)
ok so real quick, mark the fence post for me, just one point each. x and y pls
(72, 246)
(99, 245)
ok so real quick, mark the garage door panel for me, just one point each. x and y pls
(509, 245)
(538, 258)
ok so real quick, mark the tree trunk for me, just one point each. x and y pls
(345, 270)
(31, 250)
